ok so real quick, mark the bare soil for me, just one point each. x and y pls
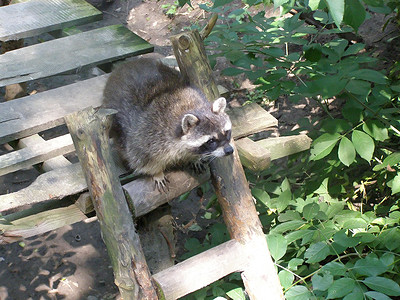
(72, 262)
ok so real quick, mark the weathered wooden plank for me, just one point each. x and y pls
(35, 154)
(201, 270)
(251, 117)
(252, 156)
(51, 185)
(51, 163)
(39, 223)
(285, 145)
(84, 49)
(32, 114)
(39, 16)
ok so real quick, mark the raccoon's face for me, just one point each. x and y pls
(208, 134)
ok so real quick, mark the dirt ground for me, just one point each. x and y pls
(72, 262)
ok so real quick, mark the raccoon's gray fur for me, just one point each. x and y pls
(162, 121)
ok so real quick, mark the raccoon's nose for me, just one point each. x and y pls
(228, 150)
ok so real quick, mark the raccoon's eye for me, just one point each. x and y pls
(228, 135)
(212, 143)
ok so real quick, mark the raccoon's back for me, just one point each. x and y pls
(138, 82)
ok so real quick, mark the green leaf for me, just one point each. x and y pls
(291, 225)
(346, 152)
(336, 8)
(392, 239)
(383, 285)
(310, 211)
(368, 74)
(277, 245)
(218, 3)
(261, 196)
(376, 129)
(395, 184)
(286, 278)
(340, 288)
(278, 3)
(323, 282)
(359, 87)
(323, 145)
(354, 14)
(391, 160)
(236, 294)
(335, 268)
(298, 292)
(377, 296)
(354, 49)
(346, 241)
(370, 266)
(364, 144)
(313, 4)
(317, 252)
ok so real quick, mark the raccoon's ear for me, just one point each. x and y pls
(188, 122)
(219, 105)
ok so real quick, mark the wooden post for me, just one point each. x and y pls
(259, 276)
(89, 131)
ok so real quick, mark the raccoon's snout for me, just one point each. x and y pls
(228, 150)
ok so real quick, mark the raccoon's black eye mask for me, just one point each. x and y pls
(213, 143)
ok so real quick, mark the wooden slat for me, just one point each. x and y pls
(35, 154)
(32, 114)
(285, 145)
(201, 270)
(70, 53)
(253, 156)
(250, 116)
(39, 223)
(49, 164)
(22, 20)
(51, 185)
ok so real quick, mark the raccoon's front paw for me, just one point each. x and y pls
(161, 182)
(199, 166)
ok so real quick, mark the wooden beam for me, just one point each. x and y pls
(34, 17)
(39, 223)
(259, 277)
(89, 130)
(201, 270)
(285, 145)
(49, 164)
(32, 114)
(35, 154)
(102, 45)
(56, 184)
(252, 156)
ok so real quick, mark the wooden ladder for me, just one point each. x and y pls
(44, 205)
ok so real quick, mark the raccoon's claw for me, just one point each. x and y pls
(161, 183)
(199, 167)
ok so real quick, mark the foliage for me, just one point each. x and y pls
(332, 214)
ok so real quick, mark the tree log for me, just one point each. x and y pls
(89, 130)
(259, 277)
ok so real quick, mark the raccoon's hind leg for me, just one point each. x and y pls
(161, 182)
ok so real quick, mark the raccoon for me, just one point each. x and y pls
(162, 121)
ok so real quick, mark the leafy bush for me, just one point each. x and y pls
(332, 214)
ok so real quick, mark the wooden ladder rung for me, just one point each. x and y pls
(285, 145)
(44, 16)
(252, 155)
(35, 154)
(201, 270)
(73, 52)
